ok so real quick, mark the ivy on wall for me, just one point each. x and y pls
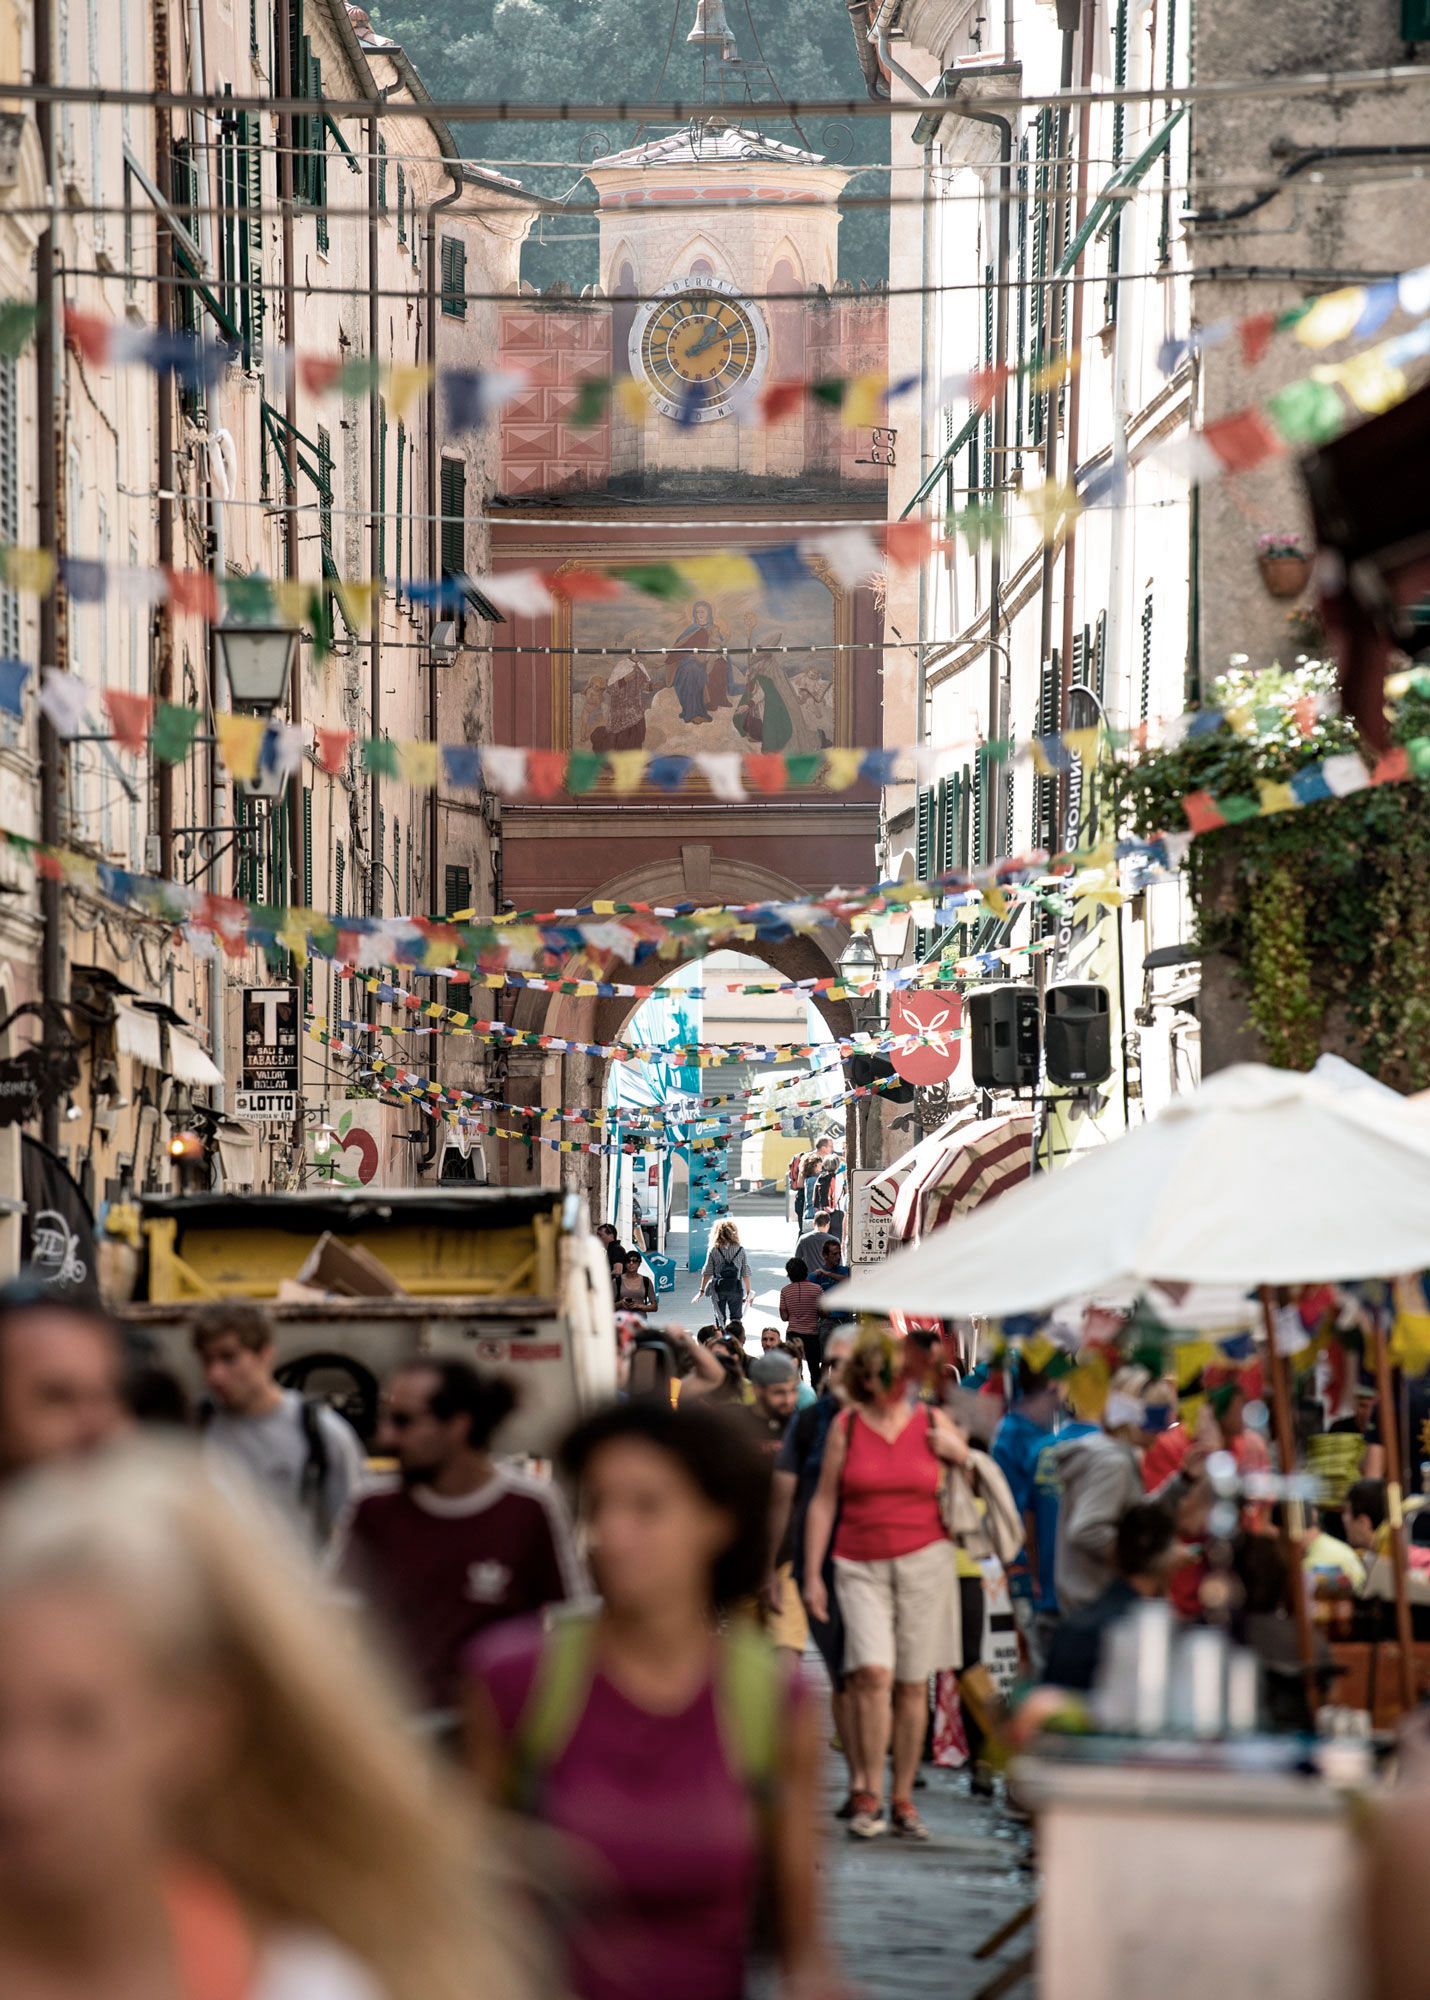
(1324, 911)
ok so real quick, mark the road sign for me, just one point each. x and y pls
(266, 1107)
(868, 1233)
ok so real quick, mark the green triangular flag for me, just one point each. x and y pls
(173, 733)
(804, 767)
(249, 598)
(583, 769)
(379, 756)
(829, 389)
(17, 323)
(661, 580)
(591, 402)
(1307, 412)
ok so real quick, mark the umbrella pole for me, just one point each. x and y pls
(1395, 1515)
(1286, 1446)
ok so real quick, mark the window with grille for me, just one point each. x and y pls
(382, 176)
(459, 889)
(1119, 134)
(310, 131)
(454, 277)
(240, 170)
(988, 325)
(340, 873)
(1045, 789)
(1021, 333)
(454, 517)
(325, 509)
(379, 862)
(401, 203)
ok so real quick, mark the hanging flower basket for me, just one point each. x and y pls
(1285, 565)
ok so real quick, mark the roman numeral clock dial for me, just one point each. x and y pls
(698, 331)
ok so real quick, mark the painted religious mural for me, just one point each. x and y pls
(743, 671)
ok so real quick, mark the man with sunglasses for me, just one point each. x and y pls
(461, 1542)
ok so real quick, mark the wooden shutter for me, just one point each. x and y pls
(454, 277)
(401, 203)
(459, 889)
(397, 510)
(379, 861)
(308, 881)
(454, 517)
(1021, 331)
(318, 141)
(989, 292)
(381, 492)
(340, 873)
(1043, 182)
(382, 176)
(251, 303)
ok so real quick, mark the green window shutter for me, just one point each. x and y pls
(1119, 134)
(397, 867)
(1021, 333)
(401, 203)
(251, 304)
(454, 517)
(379, 861)
(382, 176)
(181, 189)
(947, 825)
(980, 810)
(253, 48)
(1043, 181)
(1144, 695)
(397, 510)
(1045, 790)
(1097, 659)
(459, 889)
(325, 500)
(1009, 770)
(925, 833)
(381, 492)
(454, 277)
(988, 325)
(308, 881)
(318, 139)
(1164, 233)
(228, 221)
(340, 871)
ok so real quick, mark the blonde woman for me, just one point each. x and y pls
(727, 1275)
(206, 1792)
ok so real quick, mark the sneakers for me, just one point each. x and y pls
(867, 1821)
(907, 1824)
(849, 1807)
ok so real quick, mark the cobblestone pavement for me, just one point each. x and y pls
(906, 1920)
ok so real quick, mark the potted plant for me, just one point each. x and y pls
(1285, 563)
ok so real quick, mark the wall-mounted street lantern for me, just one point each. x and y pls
(259, 662)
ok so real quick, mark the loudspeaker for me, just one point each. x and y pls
(864, 1070)
(1006, 1031)
(1078, 1028)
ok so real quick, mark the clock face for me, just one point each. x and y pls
(698, 331)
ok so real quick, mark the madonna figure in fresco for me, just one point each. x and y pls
(690, 669)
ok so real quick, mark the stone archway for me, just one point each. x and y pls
(690, 875)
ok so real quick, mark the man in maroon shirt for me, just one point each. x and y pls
(461, 1543)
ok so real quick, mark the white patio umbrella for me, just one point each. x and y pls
(1261, 1177)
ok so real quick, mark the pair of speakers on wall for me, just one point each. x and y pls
(1014, 1034)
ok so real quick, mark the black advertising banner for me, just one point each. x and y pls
(271, 1061)
(57, 1234)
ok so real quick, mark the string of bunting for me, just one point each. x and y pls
(472, 397)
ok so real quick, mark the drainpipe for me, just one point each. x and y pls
(999, 674)
(1073, 346)
(879, 31)
(48, 430)
(1045, 586)
(434, 566)
(374, 474)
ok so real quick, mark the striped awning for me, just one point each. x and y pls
(884, 1190)
(974, 1162)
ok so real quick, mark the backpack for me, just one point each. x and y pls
(313, 1479)
(727, 1279)
(749, 1705)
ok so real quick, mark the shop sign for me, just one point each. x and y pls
(270, 1064)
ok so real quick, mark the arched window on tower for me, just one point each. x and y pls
(623, 313)
(701, 268)
(787, 311)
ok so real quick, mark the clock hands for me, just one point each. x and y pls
(716, 333)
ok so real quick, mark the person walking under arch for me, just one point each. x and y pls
(895, 1571)
(727, 1275)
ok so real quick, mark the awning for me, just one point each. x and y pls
(191, 1064)
(137, 1035)
(237, 1154)
(884, 1189)
(975, 1162)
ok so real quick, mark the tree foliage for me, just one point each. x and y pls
(551, 51)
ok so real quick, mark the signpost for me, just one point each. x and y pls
(270, 1067)
(868, 1233)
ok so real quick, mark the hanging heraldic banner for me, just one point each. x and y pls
(270, 1068)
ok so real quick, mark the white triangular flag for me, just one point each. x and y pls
(64, 699)
(504, 770)
(522, 592)
(722, 771)
(852, 554)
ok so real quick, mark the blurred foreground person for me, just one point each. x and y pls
(678, 1759)
(205, 1791)
(461, 1542)
(877, 1504)
(303, 1455)
(61, 1377)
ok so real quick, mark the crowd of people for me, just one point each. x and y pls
(408, 1730)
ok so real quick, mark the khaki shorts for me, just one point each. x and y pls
(788, 1626)
(902, 1614)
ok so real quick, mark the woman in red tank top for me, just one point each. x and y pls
(895, 1572)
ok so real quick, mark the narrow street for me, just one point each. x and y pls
(769, 1240)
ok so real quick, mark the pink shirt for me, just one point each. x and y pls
(799, 1306)
(662, 1840)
